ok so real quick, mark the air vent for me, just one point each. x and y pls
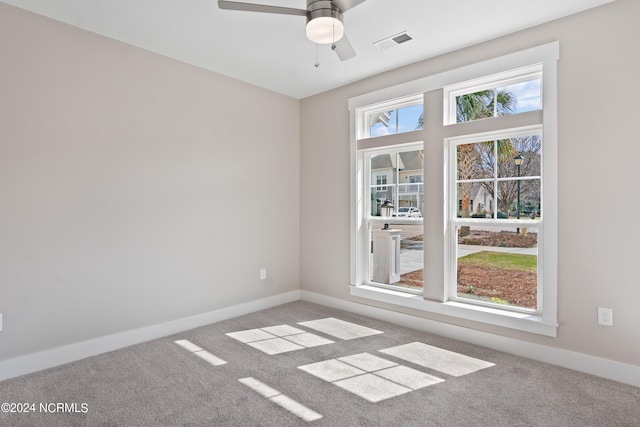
(392, 41)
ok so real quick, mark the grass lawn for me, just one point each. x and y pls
(504, 261)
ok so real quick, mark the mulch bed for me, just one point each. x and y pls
(502, 239)
(517, 287)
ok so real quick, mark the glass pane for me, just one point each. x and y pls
(383, 174)
(474, 106)
(499, 101)
(475, 161)
(397, 255)
(529, 150)
(527, 95)
(498, 265)
(410, 187)
(381, 195)
(400, 120)
(529, 192)
(475, 199)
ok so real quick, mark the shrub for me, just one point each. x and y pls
(502, 215)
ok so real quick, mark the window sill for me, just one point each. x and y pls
(487, 315)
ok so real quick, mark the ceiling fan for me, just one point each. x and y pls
(324, 20)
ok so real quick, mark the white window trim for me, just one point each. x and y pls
(545, 324)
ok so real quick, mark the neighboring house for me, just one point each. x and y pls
(481, 200)
(398, 179)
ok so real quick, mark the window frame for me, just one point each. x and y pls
(454, 221)
(382, 185)
(435, 297)
(371, 221)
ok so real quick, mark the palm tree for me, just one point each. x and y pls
(484, 104)
(480, 105)
(474, 106)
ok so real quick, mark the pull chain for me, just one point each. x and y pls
(317, 64)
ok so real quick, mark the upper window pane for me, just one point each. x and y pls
(502, 98)
(527, 95)
(392, 117)
(397, 179)
(400, 120)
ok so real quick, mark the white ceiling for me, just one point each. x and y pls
(272, 51)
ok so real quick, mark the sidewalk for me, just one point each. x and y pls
(464, 250)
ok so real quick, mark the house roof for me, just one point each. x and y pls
(409, 160)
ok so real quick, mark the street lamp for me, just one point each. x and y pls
(518, 161)
(386, 209)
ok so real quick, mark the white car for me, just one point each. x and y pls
(408, 212)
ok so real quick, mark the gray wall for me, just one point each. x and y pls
(598, 156)
(134, 189)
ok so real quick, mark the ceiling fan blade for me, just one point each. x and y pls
(345, 5)
(251, 7)
(343, 49)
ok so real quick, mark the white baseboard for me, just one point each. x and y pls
(57, 356)
(616, 371)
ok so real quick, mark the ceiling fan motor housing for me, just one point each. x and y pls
(324, 21)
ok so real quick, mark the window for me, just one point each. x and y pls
(395, 174)
(381, 183)
(506, 93)
(493, 259)
(496, 259)
(397, 253)
(393, 117)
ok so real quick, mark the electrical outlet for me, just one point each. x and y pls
(605, 316)
(263, 274)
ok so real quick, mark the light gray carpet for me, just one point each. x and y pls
(437, 381)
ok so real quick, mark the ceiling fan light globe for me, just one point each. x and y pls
(325, 29)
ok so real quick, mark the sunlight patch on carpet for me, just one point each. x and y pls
(340, 328)
(278, 339)
(370, 377)
(284, 401)
(202, 354)
(275, 346)
(438, 359)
